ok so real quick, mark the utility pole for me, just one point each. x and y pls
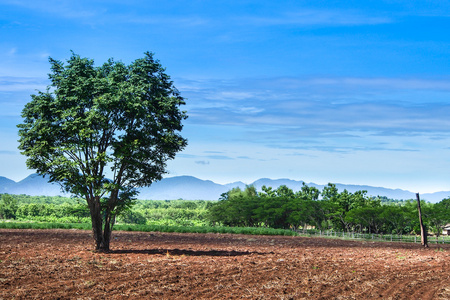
(423, 232)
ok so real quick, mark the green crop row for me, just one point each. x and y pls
(44, 225)
(151, 228)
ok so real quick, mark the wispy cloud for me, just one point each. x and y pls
(385, 83)
(220, 157)
(244, 157)
(185, 21)
(14, 84)
(336, 115)
(315, 17)
(185, 155)
(59, 8)
(7, 152)
(96, 12)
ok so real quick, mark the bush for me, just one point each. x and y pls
(8, 207)
(132, 217)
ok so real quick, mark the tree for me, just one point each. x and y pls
(366, 217)
(8, 207)
(102, 132)
(235, 208)
(275, 207)
(396, 219)
(436, 215)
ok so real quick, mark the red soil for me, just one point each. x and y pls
(52, 264)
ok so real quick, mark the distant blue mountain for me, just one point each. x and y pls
(371, 191)
(6, 184)
(33, 185)
(192, 188)
(183, 187)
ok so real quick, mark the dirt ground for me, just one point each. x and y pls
(60, 264)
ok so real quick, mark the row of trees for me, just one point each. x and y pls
(72, 210)
(279, 208)
(167, 212)
(326, 209)
(46, 209)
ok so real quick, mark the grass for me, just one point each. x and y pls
(205, 229)
(150, 228)
(208, 229)
(372, 237)
(44, 225)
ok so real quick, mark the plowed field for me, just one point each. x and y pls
(60, 264)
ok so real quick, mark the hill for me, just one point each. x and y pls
(192, 188)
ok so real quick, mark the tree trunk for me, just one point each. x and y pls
(107, 230)
(101, 244)
(97, 231)
(102, 222)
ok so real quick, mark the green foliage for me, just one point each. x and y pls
(132, 217)
(236, 208)
(90, 119)
(8, 207)
(436, 215)
(151, 212)
(43, 225)
(388, 201)
(152, 228)
(339, 211)
(297, 210)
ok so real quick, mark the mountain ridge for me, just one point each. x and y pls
(192, 188)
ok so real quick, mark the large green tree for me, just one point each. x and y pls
(102, 132)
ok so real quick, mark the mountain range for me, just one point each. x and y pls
(192, 188)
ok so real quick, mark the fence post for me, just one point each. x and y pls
(423, 231)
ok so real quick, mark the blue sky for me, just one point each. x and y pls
(354, 92)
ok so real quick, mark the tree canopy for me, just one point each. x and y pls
(101, 132)
(324, 210)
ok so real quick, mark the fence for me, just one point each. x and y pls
(375, 237)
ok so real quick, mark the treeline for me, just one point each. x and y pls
(167, 212)
(325, 210)
(72, 210)
(279, 208)
(43, 209)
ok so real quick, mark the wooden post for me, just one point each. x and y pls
(423, 232)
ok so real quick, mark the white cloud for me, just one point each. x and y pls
(186, 21)
(15, 84)
(250, 110)
(308, 17)
(382, 82)
(59, 8)
(12, 51)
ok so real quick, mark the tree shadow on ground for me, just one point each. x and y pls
(180, 252)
